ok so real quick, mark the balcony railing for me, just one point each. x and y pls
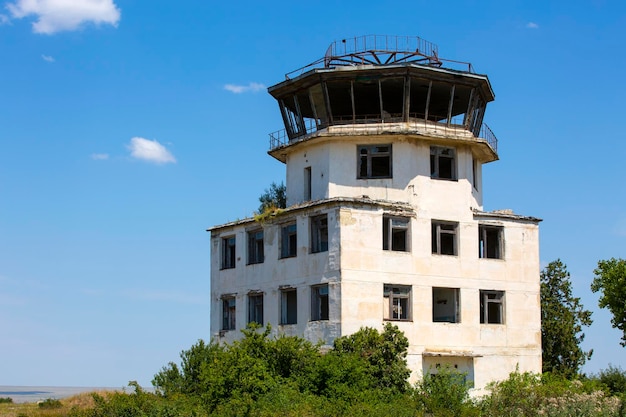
(375, 126)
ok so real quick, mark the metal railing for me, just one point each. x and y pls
(382, 50)
(370, 126)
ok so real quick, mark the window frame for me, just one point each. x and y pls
(372, 152)
(388, 232)
(486, 302)
(320, 302)
(256, 246)
(485, 242)
(255, 308)
(285, 302)
(391, 303)
(436, 235)
(319, 233)
(289, 249)
(229, 312)
(437, 154)
(456, 298)
(229, 252)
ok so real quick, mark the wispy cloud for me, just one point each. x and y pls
(150, 150)
(250, 88)
(532, 25)
(47, 58)
(100, 156)
(54, 16)
(4, 19)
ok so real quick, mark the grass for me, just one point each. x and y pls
(80, 401)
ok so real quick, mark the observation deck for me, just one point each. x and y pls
(375, 85)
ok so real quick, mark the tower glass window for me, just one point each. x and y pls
(319, 233)
(228, 313)
(319, 302)
(255, 308)
(442, 163)
(289, 241)
(444, 240)
(396, 233)
(255, 247)
(288, 306)
(228, 252)
(397, 302)
(490, 242)
(374, 161)
(491, 307)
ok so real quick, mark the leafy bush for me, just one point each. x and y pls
(6, 400)
(49, 403)
(445, 393)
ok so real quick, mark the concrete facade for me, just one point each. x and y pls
(385, 222)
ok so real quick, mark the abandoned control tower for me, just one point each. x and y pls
(384, 144)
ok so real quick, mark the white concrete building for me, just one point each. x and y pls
(384, 148)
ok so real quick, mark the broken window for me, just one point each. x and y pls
(490, 242)
(319, 302)
(397, 302)
(474, 174)
(396, 233)
(374, 161)
(442, 163)
(255, 247)
(319, 233)
(307, 184)
(444, 238)
(255, 308)
(288, 306)
(492, 307)
(289, 241)
(228, 313)
(446, 305)
(228, 252)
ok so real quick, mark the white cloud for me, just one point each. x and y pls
(238, 89)
(99, 156)
(150, 150)
(63, 15)
(47, 58)
(532, 25)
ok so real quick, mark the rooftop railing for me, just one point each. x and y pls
(373, 126)
(382, 50)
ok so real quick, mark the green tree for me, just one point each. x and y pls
(562, 318)
(273, 198)
(610, 280)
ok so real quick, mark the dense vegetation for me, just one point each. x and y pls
(364, 374)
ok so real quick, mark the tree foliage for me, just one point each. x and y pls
(610, 281)
(273, 198)
(562, 318)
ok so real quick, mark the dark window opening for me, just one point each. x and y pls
(446, 305)
(228, 313)
(255, 247)
(288, 307)
(397, 302)
(228, 252)
(319, 302)
(374, 161)
(444, 238)
(396, 233)
(442, 163)
(492, 307)
(490, 242)
(255, 308)
(319, 233)
(289, 241)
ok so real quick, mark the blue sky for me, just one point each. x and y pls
(129, 127)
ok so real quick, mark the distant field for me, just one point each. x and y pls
(33, 394)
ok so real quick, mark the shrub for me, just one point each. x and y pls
(6, 400)
(49, 403)
(445, 393)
